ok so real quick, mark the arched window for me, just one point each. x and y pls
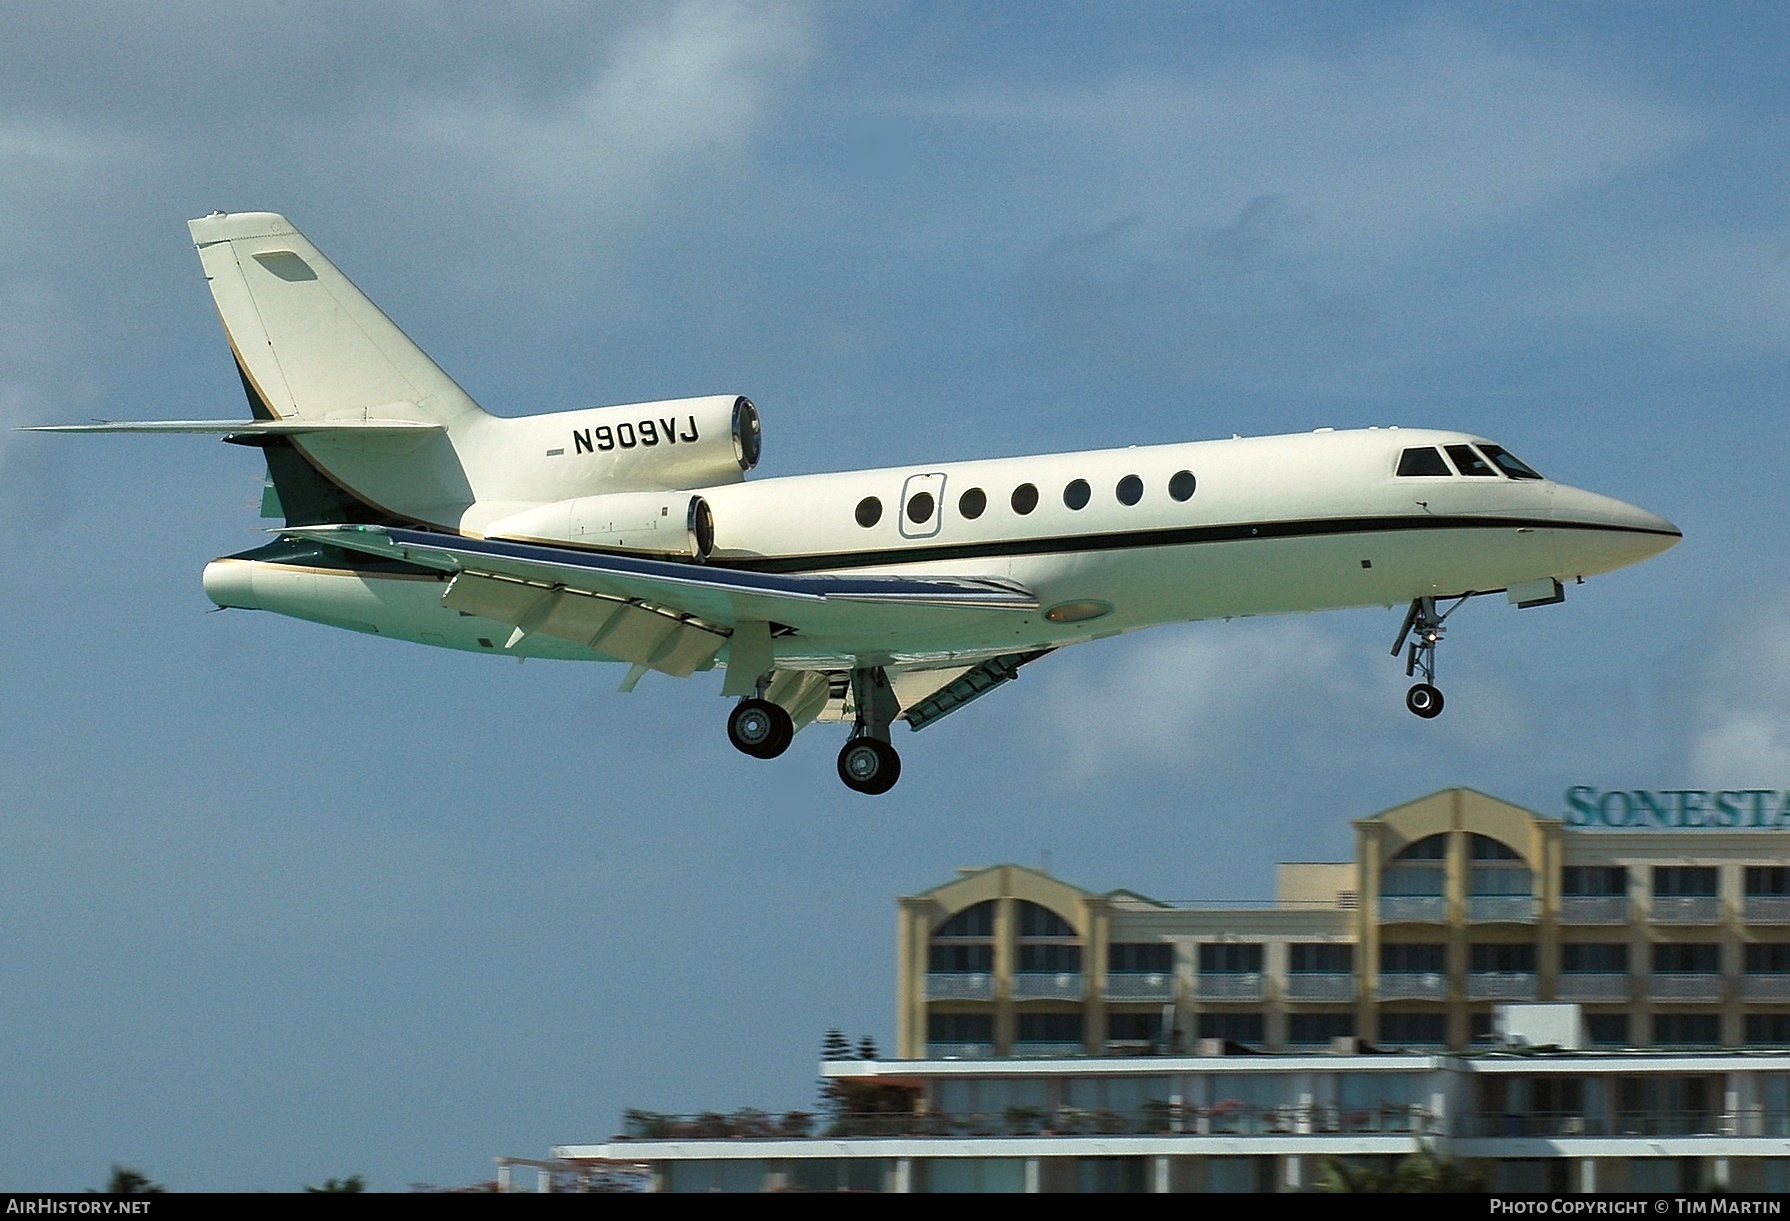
(1047, 943)
(1417, 870)
(1498, 869)
(964, 944)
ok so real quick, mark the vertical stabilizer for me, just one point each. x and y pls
(311, 343)
(312, 348)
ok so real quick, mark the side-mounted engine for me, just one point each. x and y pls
(678, 443)
(669, 524)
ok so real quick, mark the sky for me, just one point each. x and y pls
(280, 903)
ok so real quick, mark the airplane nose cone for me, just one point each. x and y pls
(231, 583)
(1602, 533)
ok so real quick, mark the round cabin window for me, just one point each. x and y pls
(919, 508)
(1182, 485)
(1076, 494)
(870, 511)
(972, 504)
(1130, 490)
(1025, 499)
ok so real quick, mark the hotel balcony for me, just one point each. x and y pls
(959, 986)
(1413, 986)
(1501, 985)
(1501, 909)
(1155, 986)
(1592, 986)
(1039, 986)
(1594, 909)
(1042, 1050)
(1413, 909)
(1686, 909)
(960, 1051)
(1320, 986)
(1240, 986)
(1767, 909)
(1763, 987)
(1685, 986)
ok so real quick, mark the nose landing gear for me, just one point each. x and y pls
(1421, 633)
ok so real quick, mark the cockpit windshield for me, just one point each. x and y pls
(1508, 462)
(1469, 462)
(1422, 461)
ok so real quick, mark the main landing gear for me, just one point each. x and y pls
(760, 728)
(1421, 633)
(867, 763)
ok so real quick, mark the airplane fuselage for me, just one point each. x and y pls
(1312, 521)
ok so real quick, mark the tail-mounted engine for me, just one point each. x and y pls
(670, 524)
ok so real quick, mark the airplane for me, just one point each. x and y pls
(630, 533)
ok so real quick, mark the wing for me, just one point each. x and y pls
(677, 610)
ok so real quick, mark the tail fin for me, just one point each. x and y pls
(310, 344)
(312, 348)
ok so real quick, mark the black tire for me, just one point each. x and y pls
(760, 728)
(869, 766)
(1424, 700)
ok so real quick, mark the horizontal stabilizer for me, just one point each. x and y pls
(264, 428)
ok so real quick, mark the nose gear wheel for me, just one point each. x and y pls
(1421, 633)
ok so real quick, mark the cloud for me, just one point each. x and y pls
(1742, 727)
(694, 83)
(1430, 132)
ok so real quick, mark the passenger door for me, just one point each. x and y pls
(922, 505)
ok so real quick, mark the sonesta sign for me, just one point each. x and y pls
(1677, 809)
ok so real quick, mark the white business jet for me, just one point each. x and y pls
(629, 534)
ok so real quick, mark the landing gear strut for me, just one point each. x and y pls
(1421, 633)
(760, 728)
(867, 763)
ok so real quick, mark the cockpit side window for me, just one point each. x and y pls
(1425, 461)
(1469, 462)
(1509, 463)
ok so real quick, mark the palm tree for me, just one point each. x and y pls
(129, 1181)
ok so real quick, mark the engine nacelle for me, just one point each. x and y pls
(677, 524)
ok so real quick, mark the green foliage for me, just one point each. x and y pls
(1417, 1172)
(835, 1047)
(129, 1181)
(353, 1182)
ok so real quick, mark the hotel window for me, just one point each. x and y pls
(1305, 1028)
(1036, 921)
(1501, 956)
(1404, 1029)
(1684, 881)
(1497, 868)
(1402, 958)
(1594, 957)
(1047, 943)
(1687, 958)
(960, 1028)
(1687, 1029)
(1594, 880)
(1133, 1027)
(1762, 880)
(1050, 1028)
(1141, 958)
(1235, 1027)
(1320, 958)
(1770, 1029)
(1607, 1029)
(1226, 958)
(1768, 958)
(1417, 870)
(964, 944)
